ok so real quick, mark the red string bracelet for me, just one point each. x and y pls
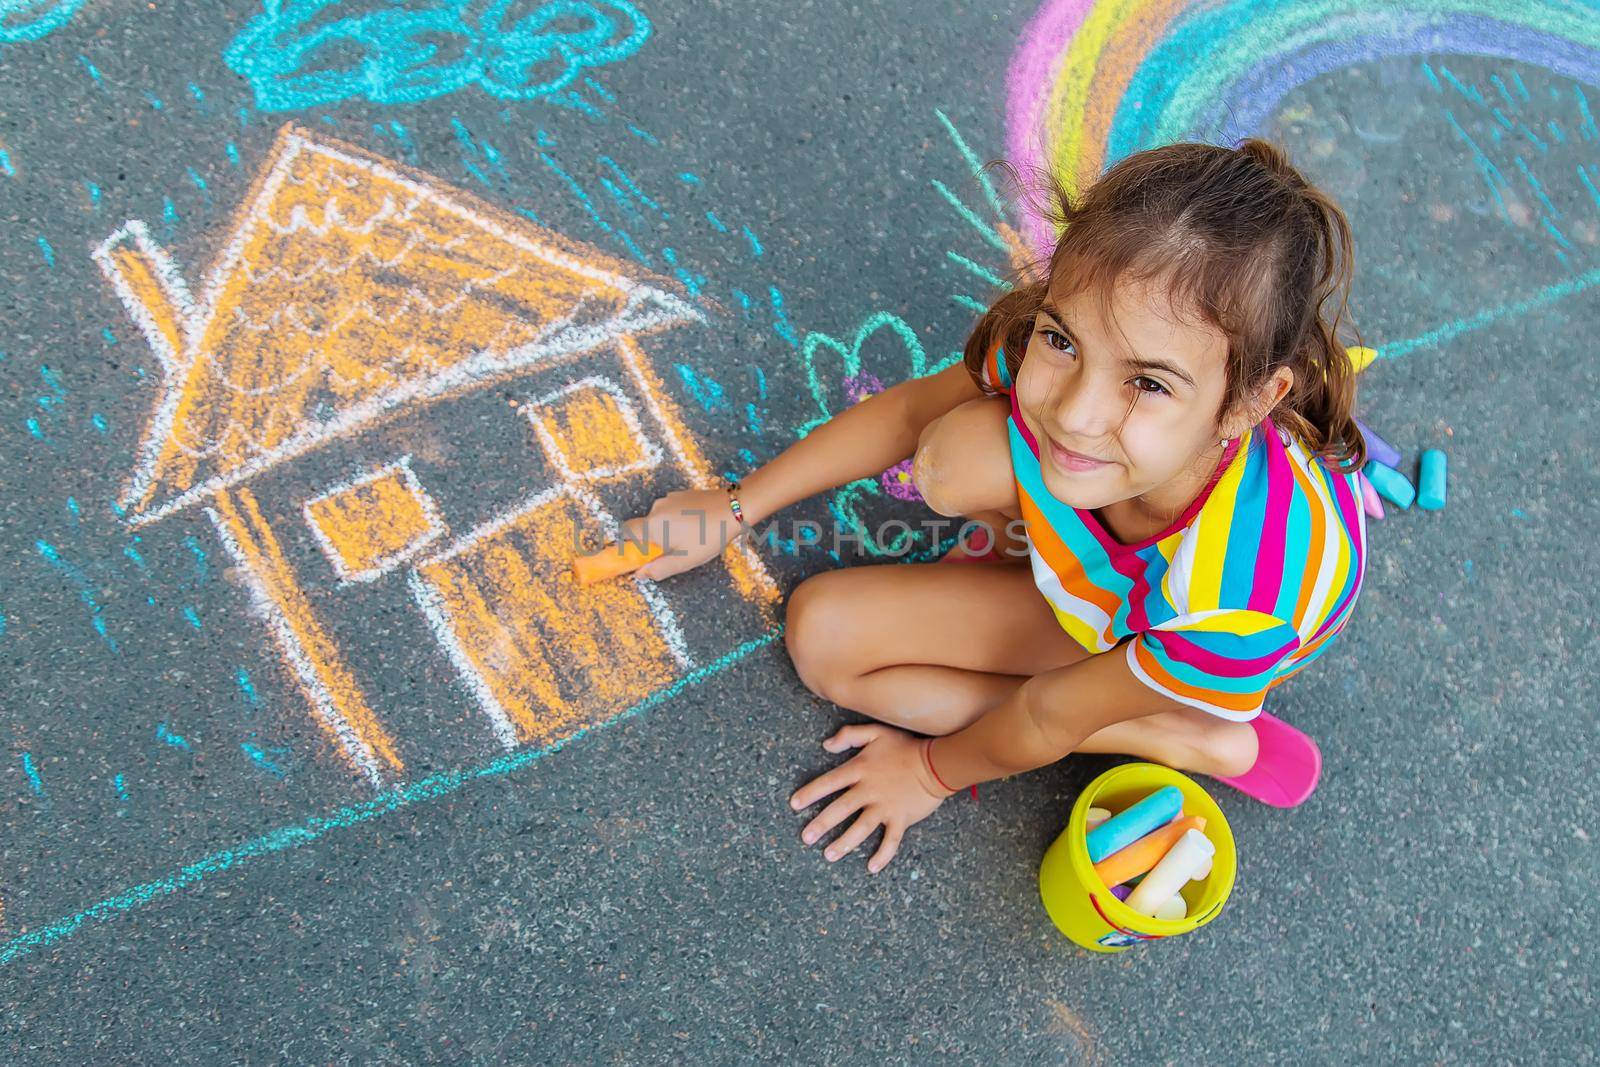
(927, 756)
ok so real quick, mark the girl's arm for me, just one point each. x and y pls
(859, 442)
(1044, 719)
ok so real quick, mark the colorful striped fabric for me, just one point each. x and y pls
(1247, 587)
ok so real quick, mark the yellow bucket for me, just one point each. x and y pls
(1083, 908)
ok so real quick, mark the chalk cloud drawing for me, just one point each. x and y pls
(1095, 80)
(350, 291)
(313, 53)
(29, 20)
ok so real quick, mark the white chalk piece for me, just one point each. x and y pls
(1174, 909)
(1095, 817)
(1177, 868)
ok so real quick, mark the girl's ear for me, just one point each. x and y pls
(1266, 399)
(1272, 393)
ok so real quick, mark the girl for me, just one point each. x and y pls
(1168, 412)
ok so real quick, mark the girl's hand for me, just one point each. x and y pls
(694, 525)
(888, 783)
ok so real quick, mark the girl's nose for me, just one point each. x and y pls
(1085, 407)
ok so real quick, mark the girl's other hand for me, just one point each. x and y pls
(693, 525)
(887, 782)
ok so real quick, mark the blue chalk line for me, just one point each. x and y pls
(1451, 330)
(286, 837)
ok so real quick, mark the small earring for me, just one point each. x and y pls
(1226, 441)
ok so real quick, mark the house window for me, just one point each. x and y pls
(368, 526)
(591, 433)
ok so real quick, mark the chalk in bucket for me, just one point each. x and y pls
(1081, 905)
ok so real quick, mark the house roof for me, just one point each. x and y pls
(349, 290)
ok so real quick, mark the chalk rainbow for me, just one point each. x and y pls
(1094, 80)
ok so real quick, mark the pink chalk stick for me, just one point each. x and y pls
(1370, 500)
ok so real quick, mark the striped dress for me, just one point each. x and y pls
(1251, 583)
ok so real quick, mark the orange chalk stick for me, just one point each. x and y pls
(613, 561)
(1141, 856)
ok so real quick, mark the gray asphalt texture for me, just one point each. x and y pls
(641, 895)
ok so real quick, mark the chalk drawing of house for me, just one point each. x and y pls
(352, 290)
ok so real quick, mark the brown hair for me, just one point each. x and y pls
(1237, 233)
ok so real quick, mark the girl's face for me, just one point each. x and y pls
(1124, 407)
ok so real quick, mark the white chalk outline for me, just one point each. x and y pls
(649, 450)
(384, 564)
(444, 626)
(360, 753)
(169, 278)
(645, 309)
(633, 358)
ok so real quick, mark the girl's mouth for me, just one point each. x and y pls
(1067, 459)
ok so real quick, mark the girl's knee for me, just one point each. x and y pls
(816, 619)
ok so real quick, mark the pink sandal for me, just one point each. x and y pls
(1287, 766)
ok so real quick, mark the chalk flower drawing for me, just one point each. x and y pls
(29, 20)
(828, 360)
(312, 53)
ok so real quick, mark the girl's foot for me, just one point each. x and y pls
(1288, 764)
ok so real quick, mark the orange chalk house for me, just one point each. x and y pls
(350, 292)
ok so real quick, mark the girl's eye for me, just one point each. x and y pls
(1149, 385)
(1057, 340)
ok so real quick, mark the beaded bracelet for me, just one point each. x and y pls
(732, 488)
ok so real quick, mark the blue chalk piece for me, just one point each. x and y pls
(1377, 447)
(1431, 480)
(1390, 484)
(1119, 831)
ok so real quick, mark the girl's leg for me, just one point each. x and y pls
(931, 648)
(925, 646)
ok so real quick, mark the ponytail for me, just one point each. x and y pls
(1320, 407)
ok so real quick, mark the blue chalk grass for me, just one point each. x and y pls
(168, 737)
(242, 677)
(35, 782)
(316, 827)
(261, 758)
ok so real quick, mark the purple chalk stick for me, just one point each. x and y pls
(1378, 448)
(1121, 891)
